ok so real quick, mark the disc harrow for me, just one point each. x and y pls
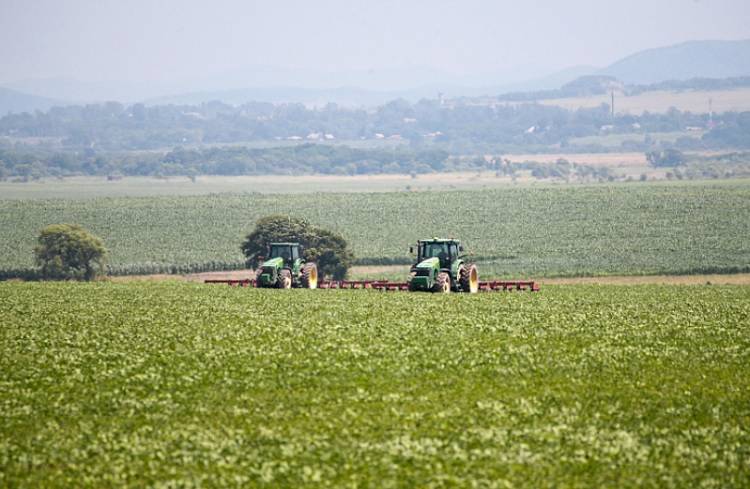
(387, 286)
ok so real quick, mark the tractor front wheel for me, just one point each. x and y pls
(285, 279)
(443, 283)
(309, 276)
(469, 278)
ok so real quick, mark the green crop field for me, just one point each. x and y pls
(185, 385)
(695, 227)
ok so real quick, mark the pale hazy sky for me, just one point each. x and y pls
(167, 41)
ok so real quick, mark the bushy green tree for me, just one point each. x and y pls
(668, 157)
(324, 247)
(69, 252)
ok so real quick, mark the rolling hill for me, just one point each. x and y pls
(14, 101)
(694, 59)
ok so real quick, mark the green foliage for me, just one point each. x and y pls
(69, 252)
(732, 133)
(667, 157)
(300, 159)
(680, 227)
(717, 165)
(691, 84)
(109, 139)
(327, 249)
(185, 385)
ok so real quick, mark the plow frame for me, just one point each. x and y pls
(387, 286)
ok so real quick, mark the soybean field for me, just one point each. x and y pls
(667, 228)
(184, 385)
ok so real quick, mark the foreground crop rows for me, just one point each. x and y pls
(620, 229)
(184, 385)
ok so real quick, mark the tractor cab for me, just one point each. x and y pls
(440, 267)
(289, 252)
(445, 251)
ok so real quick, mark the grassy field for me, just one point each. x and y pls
(661, 101)
(622, 163)
(693, 227)
(91, 187)
(187, 385)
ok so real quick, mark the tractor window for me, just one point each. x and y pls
(436, 250)
(454, 250)
(281, 251)
(295, 252)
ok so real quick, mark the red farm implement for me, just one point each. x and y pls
(387, 286)
(441, 266)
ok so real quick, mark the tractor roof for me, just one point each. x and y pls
(438, 240)
(284, 244)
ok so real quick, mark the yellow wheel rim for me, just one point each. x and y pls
(314, 278)
(473, 281)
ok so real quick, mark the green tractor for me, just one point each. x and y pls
(285, 268)
(441, 267)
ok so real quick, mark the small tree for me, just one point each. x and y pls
(328, 249)
(69, 252)
(666, 158)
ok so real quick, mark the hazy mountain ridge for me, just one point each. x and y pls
(15, 101)
(693, 59)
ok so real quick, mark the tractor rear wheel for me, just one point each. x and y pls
(469, 278)
(443, 283)
(285, 279)
(309, 276)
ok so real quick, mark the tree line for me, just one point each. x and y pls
(114, 127)
(71, 252)
(303, 159)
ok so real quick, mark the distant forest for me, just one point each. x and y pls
(110, 139)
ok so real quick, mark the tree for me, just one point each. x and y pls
(668, 157)
(69, 252)
(327, 248)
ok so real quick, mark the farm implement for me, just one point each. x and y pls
(386, 286)
(440, 267)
